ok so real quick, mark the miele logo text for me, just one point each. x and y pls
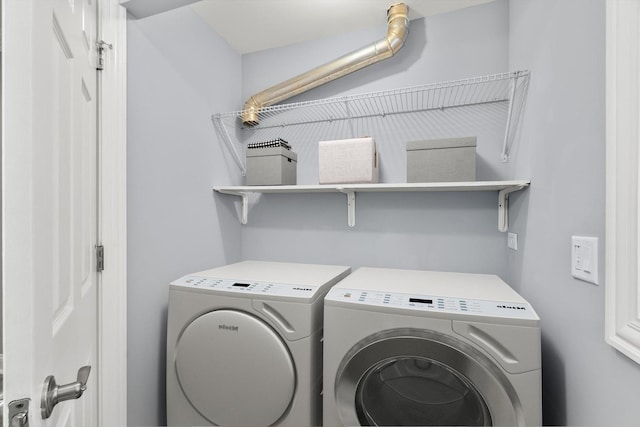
(228, 328)
(511, 307)
(303, 289)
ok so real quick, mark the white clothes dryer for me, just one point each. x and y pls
(405, 347)
(244, 344)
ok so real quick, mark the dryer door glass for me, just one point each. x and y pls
(234, 369)
(414, 391)
(418, 377)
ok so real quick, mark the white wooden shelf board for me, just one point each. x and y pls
(504, 188)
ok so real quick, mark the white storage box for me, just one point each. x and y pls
(442, 160)
(271, 166)
(347, 161)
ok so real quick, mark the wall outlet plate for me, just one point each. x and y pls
(584, 258)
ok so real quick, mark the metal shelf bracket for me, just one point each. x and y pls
(503, 206)
(351, 205)
(244, 199)
(245, 207)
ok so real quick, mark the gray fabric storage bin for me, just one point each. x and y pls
(442, 160)
(348, 161)
(271, 166)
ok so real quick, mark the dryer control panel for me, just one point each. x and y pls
(247, 286)
(428, 303)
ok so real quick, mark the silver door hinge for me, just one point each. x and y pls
(99, 258)
(102, 47)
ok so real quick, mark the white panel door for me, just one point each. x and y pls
(50, 214)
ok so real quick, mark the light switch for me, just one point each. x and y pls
(512, 241)
(584, 258)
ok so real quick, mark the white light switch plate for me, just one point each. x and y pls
(584, 258)
(512, 241)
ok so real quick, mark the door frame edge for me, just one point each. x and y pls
(112, 320)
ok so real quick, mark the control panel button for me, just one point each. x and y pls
(433, 303)
(247, 286)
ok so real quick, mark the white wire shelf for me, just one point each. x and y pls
(400, 111)
(504, 188)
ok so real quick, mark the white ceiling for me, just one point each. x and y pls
(254, 25)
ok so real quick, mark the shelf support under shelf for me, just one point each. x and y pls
(351, 205)
(245, 207)
(503, 206)
(244, 199)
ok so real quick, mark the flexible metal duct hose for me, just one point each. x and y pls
(397, 31)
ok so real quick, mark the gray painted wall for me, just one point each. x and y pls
(562, 149)
(180, 72)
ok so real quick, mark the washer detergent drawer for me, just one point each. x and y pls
(234, 369)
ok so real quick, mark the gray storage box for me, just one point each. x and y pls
(271, 166)
(442, 160)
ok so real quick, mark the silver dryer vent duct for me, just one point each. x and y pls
(397, 31)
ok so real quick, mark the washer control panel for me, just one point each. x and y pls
(433, 303)
(246, 286)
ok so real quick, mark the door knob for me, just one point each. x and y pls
(52, 393)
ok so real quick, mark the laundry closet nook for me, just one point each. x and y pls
(189, 209)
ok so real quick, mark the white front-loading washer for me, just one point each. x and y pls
(406, 347)
(244, 344)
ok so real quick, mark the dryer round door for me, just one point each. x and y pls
(422, 378)
(235, 369)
